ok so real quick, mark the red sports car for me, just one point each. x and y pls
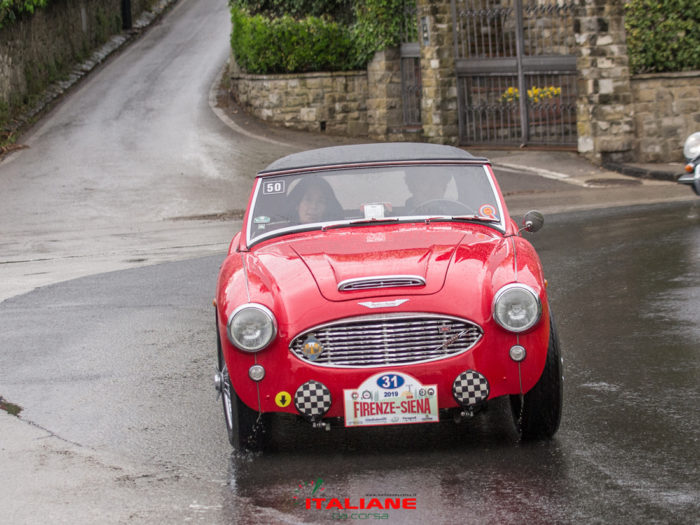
(383, 284)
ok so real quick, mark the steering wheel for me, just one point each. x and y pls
(442, 207)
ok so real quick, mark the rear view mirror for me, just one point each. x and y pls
(533, 221)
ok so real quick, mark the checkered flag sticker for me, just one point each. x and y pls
(312, 399)
(470, 388)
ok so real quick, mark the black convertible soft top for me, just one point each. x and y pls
(369, 153)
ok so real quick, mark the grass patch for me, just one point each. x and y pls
(10, 408)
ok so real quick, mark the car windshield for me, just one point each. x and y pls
(320, 199)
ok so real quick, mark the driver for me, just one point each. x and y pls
(313, 200)
(425, 187)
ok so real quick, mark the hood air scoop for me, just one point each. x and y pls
(383, 281)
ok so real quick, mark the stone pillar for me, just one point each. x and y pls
(439, 78)
(604, 107)
(384, 96)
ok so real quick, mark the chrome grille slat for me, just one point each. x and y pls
(389, 339)
(383, 281)
(431, 343)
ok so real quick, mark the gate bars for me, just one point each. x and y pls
(504, 49)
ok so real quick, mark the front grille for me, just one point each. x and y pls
(387, 340)
(385, 281)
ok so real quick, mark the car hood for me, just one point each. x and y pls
(335, 256)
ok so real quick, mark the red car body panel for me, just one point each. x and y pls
(279, 279)
(296, 276)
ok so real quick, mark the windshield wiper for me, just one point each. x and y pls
(479, 218)
(356, 222)
(376, 219)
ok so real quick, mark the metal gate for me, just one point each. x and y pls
(516, 71)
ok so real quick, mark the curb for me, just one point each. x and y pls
(642, 173)
(81, 70)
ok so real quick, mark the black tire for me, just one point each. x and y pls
(246, 428)
(537, 414)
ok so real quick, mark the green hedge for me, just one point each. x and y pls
(339, 10)
(379, 24)
(266, 38)
(285, 45)
(11, 9)
(663, 35)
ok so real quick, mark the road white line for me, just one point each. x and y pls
(227, 120)
(547, 174)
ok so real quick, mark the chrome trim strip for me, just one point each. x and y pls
(380, 281)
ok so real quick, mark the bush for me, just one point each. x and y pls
(663, 35)
(339, 10)
(285, 45)
(379, 24)
(266, 38)
(10, 10)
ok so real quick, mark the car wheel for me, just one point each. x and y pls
(246, 428)
(537, 414)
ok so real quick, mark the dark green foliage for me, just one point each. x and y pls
(663, 35)
(380, 24)
(276, 36)
(338, 10)
(284, 44)
(11, 9)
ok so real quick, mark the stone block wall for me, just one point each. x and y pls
(604, 115)
(335, 103)
(40, 49)
(439, 100)
(619, 117)
(666, 111)
(384, 114)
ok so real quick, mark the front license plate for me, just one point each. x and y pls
(390, 398)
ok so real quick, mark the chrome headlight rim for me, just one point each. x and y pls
(499, 296)
(239, 344)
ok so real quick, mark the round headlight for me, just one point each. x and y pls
(251, 327)
(691, 148)
(516, 307)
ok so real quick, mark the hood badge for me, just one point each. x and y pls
(383, 304)
(312, 348)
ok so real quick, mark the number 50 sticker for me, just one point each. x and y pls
(273, 186)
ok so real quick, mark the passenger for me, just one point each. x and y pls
(425, 187)
(313, 200)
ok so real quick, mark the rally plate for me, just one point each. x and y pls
(390, 398)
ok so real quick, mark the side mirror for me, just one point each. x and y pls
(533, 221)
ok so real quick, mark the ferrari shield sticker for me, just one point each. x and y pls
(390, 398)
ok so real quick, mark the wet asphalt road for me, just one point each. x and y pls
(123, 362)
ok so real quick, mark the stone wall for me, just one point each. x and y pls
(666, 111)
(384, 115)
(604, 105)
(439, 100)
(40, 49)
(335, 103)
(619, 117)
